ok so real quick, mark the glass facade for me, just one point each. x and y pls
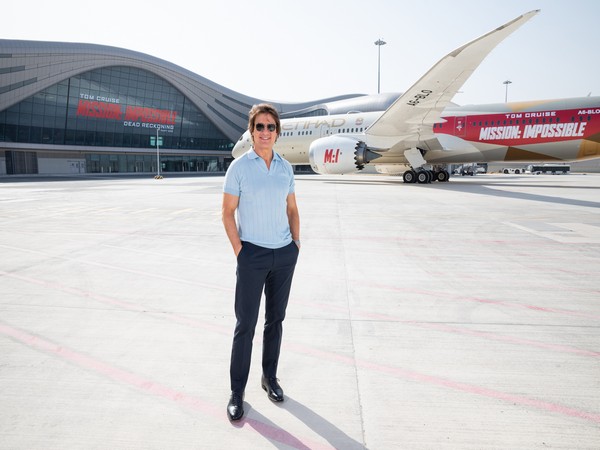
(122, 109)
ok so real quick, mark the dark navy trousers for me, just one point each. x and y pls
(260, 268)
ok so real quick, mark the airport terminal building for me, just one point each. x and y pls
(82, 108)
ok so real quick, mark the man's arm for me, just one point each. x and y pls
(293, 217)
(230, 204)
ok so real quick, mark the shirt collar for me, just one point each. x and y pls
(253, 155)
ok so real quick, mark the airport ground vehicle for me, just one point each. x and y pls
(515, 170)
(549, 168)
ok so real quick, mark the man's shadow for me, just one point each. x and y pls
(327, 430)
(279, 437)
(321, 426)
(282, 439)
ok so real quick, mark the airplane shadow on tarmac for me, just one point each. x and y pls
(283, 439)
(486, 187)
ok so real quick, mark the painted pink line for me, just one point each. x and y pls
(156, 389)
(124, 269)
(491, 336)
(509, 339)
(78, 292)
(457, 330)
(121, 304)
(458, 386)
(439, 294)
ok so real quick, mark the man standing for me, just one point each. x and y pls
(260, 186)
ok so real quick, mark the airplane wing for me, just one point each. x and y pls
(410, 119)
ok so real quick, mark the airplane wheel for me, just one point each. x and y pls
(409, 176)
(422, 178)
(442, 176)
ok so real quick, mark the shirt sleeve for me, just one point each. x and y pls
(231, 184)
(292, 187)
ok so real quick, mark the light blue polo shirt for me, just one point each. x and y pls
(262, 210)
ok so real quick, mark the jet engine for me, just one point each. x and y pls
(337, 155)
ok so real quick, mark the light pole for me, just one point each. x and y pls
(379, 42)
(506, 83)
(157, 156)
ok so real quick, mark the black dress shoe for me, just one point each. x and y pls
(235, 407)
(274, 391)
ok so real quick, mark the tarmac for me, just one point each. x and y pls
(460, 315)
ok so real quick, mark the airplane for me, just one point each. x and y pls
(422, 131)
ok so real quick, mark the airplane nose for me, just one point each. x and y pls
(238, 150)
(241, 146)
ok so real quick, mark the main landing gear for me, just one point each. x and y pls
(423, 176)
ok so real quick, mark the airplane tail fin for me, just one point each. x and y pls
(411, 116)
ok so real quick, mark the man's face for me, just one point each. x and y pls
(264, 139)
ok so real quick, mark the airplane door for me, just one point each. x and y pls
(460, 126)
(325, 130)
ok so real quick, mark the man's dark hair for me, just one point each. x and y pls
(263, 108)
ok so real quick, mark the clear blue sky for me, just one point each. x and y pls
(298, 51)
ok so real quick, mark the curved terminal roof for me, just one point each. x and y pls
(27, 67)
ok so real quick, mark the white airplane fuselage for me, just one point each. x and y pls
(469, 134)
